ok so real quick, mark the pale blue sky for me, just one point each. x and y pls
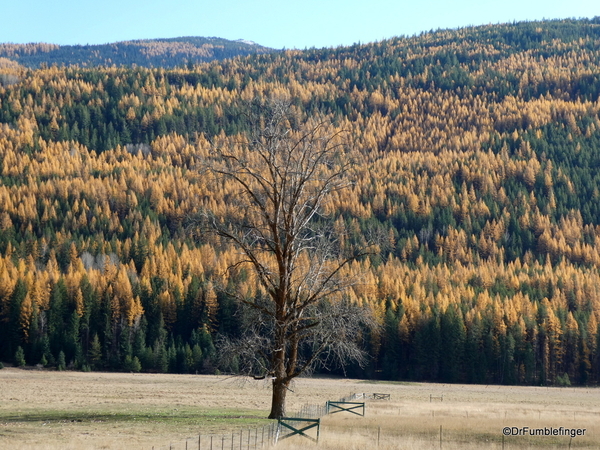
(278, 24)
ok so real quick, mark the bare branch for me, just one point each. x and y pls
(284, 171)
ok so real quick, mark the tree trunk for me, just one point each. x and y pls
(278, 400)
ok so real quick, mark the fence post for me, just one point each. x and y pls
(440, 436)
(378, 435)
(318, 430)
(199, 442)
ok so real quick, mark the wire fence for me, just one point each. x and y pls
(435, 427)
(307, 411)
(258, 437)
(242, 439)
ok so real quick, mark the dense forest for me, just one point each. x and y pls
(167, 53)
(476, 154)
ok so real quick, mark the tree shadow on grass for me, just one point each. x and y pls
(174, 415)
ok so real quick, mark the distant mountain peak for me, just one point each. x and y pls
(245, 41)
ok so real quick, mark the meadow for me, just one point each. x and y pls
(77, 410)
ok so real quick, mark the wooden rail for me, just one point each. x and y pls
(381, 396)
(436, 397)
(285, 422)
(346, 406)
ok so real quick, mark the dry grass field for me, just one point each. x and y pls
(75, 410)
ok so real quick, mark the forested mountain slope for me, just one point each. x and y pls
(477, 155)
(145, 53)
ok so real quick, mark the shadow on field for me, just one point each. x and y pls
(163, 416)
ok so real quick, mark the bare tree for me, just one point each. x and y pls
(284, 173)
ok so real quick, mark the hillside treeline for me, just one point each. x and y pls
(145, 53)
(475, 154)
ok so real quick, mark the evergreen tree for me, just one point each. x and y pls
(95, 353)
(19, 357)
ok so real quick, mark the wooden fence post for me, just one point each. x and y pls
(318, 430)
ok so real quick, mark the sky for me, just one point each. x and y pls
(298, 24)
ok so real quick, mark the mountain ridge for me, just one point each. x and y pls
(163, 52)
